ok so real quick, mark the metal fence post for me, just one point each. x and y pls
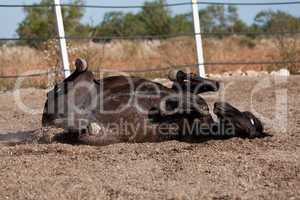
(62, 40)
(197, 30)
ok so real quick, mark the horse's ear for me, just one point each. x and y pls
(81, 65)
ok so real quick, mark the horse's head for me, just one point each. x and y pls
(245, 124)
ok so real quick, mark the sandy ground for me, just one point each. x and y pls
(267, 168)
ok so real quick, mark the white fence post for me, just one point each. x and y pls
(197, 30)
(62, 40)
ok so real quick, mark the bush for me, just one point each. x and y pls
(247, 42)
(40, 22)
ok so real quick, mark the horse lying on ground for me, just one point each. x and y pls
(132, 109)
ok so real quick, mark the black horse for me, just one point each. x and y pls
(132, 109)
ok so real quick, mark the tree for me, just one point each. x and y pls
(156, 17)
(111, 25)
(218, 18)
(120, 24)
(215, 18)
(276, 21)
(182, 24)
(40, 22)
(239, 26)
(133, 25)
(153, 19)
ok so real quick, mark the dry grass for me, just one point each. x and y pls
(139, 55)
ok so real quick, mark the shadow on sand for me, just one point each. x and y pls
(16, 137)
(30, 137)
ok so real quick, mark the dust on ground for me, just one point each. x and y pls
(267, 168)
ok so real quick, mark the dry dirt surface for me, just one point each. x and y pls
(265, 168)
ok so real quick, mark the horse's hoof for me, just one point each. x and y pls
(81, 65)
(177, 75)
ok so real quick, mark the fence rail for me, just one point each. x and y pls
(141, 6)
(153, 37)
(152, 69)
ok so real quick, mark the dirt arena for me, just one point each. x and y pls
(267, 168)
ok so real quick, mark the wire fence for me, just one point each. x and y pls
(151, 69)
(153, 37)
(141, 6)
